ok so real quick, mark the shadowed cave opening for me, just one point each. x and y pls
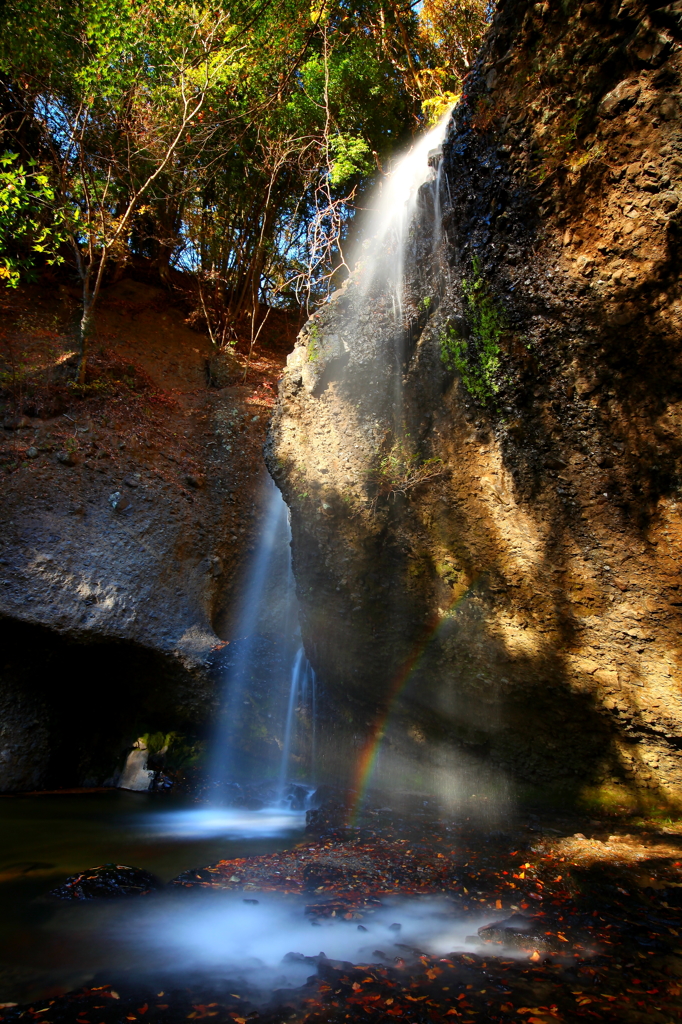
(71, 709)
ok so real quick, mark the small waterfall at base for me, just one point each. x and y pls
(266, 666)
(302, 675)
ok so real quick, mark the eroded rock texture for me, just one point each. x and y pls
(519, 597)
(126, 524)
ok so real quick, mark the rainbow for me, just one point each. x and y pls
(364, 768)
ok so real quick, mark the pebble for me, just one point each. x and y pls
(118, 501)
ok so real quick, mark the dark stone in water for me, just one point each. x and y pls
(254, 804)
(520, 932)
(108, 881)
(300, 958)
(321, 819)
(296, 796)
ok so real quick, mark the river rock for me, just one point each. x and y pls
(119, 502)
(107, 881)
(519, 932)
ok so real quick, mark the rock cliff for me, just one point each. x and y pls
(128, 512)
(486, 503)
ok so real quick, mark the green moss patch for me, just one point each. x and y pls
(476, 358)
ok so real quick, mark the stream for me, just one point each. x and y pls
(47, 838)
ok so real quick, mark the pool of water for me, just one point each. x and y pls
(258, 942)
(47, 838)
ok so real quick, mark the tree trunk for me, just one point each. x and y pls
(85, 328)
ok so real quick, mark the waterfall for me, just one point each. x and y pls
(270, 592)
(436, 157)
(380, 259)
(302, 676)
(275, 528)
(293, 695)
(266, 646)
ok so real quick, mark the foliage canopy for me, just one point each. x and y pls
(229, 138)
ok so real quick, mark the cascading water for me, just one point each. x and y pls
(380, 259)
(266, 664)
(302, 680)
(270, 594)
(273, 537)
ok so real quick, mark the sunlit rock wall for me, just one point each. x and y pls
(518, 599)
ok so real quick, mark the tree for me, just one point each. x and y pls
(29, 227)
(112, 116)
(233, 138)
(450, 35)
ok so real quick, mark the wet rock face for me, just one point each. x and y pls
(516, 600)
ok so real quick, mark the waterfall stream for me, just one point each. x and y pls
(380, 257)
(269, 603)
(267, 656)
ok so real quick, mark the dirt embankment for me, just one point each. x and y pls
(128, 508)
(517, 599)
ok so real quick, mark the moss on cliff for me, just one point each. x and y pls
(476, 358)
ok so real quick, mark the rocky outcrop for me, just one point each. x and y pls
(128, 513)
(108, 881)
(497, 563)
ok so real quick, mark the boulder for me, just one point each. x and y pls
(107, 881)
(519, 932)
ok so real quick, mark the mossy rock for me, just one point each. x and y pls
(223, 368)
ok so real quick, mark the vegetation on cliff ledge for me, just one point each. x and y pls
(477, 357)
